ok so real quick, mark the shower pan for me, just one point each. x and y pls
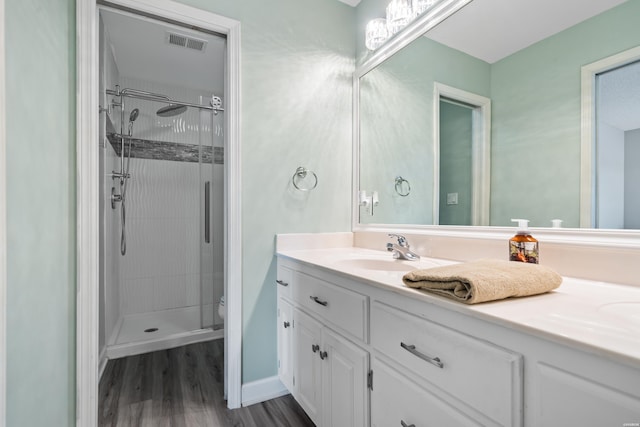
(169, 196)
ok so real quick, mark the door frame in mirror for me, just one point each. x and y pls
(480, 150)
(588, 130)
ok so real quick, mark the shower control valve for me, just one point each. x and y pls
(115, 198)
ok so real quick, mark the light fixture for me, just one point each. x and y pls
(376, 33)
(420, 6)
(399, 14)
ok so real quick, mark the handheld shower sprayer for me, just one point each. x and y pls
(132, 118)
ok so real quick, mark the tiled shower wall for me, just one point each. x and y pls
(161, 269)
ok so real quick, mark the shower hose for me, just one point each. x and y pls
(123, 212)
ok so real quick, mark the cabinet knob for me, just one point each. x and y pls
(403, 424)
(323, 355)
(282, 282)
(315, 347)
(287, 324)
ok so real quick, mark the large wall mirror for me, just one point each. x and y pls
(481, 119)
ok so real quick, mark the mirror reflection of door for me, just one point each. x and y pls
(456, 138)
(462, 157)
(618, 148)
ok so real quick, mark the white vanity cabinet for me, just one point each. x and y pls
(329, 371)
(439, 363)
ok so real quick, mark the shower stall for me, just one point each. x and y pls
(166, 206)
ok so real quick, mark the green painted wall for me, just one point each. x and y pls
(297, 63)
(40, 82)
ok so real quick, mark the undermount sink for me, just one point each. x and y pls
(379, 264)
(627, 311)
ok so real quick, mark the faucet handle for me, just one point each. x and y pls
(402, 241)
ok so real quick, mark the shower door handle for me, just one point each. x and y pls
(207, 212)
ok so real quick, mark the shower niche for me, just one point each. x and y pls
(162, 180)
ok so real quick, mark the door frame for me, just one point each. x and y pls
(588, 128)
(88, 194)
(481, 151)
(3, 228)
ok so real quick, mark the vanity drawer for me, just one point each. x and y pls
(480, 375)
(284, 281)
(341, 307)
(396, 400)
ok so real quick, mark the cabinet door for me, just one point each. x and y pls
(568, 399)
(307, 379)
(344, 382)
(396, 401)
(285, 342)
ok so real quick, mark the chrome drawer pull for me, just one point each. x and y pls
(323, 355)
(403, 424)
(282, 282)
(315, 347)
(287, 324)
(319, 301)
(412, 349)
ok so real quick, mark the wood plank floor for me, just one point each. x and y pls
(183, 387)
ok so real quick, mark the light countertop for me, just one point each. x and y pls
(600, 317)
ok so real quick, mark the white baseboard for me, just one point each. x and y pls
(117, 351)
(262, 390)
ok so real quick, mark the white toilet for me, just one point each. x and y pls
(221, 307)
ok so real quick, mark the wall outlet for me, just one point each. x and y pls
(452, 198)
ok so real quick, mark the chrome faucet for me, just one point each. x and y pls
(401, 250)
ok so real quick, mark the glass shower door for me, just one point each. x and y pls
(212, 208)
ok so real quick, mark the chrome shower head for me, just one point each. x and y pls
(171, 110)
(134, 115)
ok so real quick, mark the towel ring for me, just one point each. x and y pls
(400, 181)
(299, 175)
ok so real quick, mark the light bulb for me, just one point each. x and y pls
(399, 14)
(376, 33)
(420, 6)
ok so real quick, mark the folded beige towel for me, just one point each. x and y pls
(485, 280)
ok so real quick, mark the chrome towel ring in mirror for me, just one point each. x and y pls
(403, 187)
(299, 176)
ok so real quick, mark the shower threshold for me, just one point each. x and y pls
(160, 330)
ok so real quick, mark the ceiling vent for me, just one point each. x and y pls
(186, 41)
